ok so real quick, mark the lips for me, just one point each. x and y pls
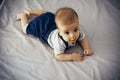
(73, 40)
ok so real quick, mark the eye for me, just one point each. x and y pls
(75, 30)
(67, 33)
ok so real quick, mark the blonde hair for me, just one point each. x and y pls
(66, 16)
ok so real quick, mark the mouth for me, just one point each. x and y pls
(73, 40)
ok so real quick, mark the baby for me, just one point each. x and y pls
(59, 31)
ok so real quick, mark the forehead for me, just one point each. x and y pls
(72, 25)
(68, 27)
(66, 22)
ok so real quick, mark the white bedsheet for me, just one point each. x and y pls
(24, 57)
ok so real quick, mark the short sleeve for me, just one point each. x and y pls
(59, 47)
(82, 35)
(56, 42)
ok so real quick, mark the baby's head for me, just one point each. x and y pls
(67, 23)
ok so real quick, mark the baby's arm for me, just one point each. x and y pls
(69, 57)
(34, 12)
(85, 45)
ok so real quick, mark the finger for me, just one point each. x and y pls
(81, 55)
(85, 52)
(90, 53)
(79, 60)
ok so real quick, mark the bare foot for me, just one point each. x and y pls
(27, 12)
(20, 16)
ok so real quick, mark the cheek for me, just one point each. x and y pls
(66, 38)
(77, 33)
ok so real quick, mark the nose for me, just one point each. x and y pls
(72, 36)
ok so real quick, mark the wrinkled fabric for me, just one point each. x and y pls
(24, 57)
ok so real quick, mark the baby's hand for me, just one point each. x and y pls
(77, 57)
(88, 52)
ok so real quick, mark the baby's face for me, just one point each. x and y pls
(70, 33)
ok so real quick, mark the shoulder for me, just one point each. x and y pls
(56, 43)
(82, 35)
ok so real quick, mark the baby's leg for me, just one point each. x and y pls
(23, 18)
(34, 12)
